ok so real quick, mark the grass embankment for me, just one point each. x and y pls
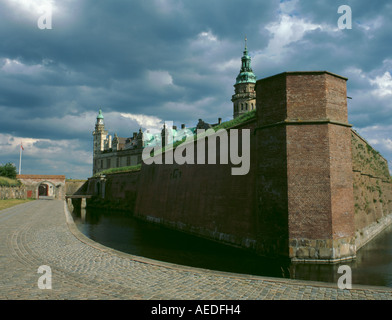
(237, 121)
(368, 160)
(120, 169)
(5, 204)
(7, 182)
(8, 203)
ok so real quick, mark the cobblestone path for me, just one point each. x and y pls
(42, 233)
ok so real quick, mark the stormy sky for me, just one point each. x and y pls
(148, 61)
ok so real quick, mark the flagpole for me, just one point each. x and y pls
(20, 157)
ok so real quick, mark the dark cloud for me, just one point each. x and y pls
(174, 60)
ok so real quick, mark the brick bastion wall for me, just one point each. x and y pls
(316, 191)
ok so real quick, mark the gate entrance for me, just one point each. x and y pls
(43, 190)
(46, 190)
(43, 186)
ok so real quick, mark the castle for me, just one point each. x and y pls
(117, 152)
(114, 152)
(316, 191)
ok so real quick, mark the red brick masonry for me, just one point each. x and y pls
(312, 194)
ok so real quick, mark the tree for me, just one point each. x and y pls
(8, 170)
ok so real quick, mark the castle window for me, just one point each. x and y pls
(118, 162)
(128, 161)
(108, 163)
(242, 106)
(101, 164)
(246, 106)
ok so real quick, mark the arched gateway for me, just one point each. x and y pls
(43, 186)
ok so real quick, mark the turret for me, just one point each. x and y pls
(99, 134)
(140, 143)
(244, 99)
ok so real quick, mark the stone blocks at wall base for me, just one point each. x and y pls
(12, 193)
(322, 250)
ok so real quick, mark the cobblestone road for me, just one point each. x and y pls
(42, 233)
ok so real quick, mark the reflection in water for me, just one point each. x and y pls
(119, 231)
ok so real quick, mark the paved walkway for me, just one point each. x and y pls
(42, 233)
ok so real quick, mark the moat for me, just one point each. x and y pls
(118, 230)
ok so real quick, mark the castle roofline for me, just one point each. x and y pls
(304, 73)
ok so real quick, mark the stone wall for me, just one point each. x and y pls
(114, 191)
(73, 187)
(372, 191)
(12, 192)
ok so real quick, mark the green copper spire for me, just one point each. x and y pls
(246, 74)
(100, 115)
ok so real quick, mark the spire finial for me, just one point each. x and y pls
(246, 46)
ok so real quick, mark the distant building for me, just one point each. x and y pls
(117, 152)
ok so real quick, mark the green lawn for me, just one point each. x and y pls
(4, 204)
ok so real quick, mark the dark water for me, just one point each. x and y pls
(119, 231)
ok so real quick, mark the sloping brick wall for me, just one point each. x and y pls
(372, 190)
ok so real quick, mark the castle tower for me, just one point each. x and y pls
(244, 99)
(305, 177)
(139, 137)
(115, 143)
(99, 136)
